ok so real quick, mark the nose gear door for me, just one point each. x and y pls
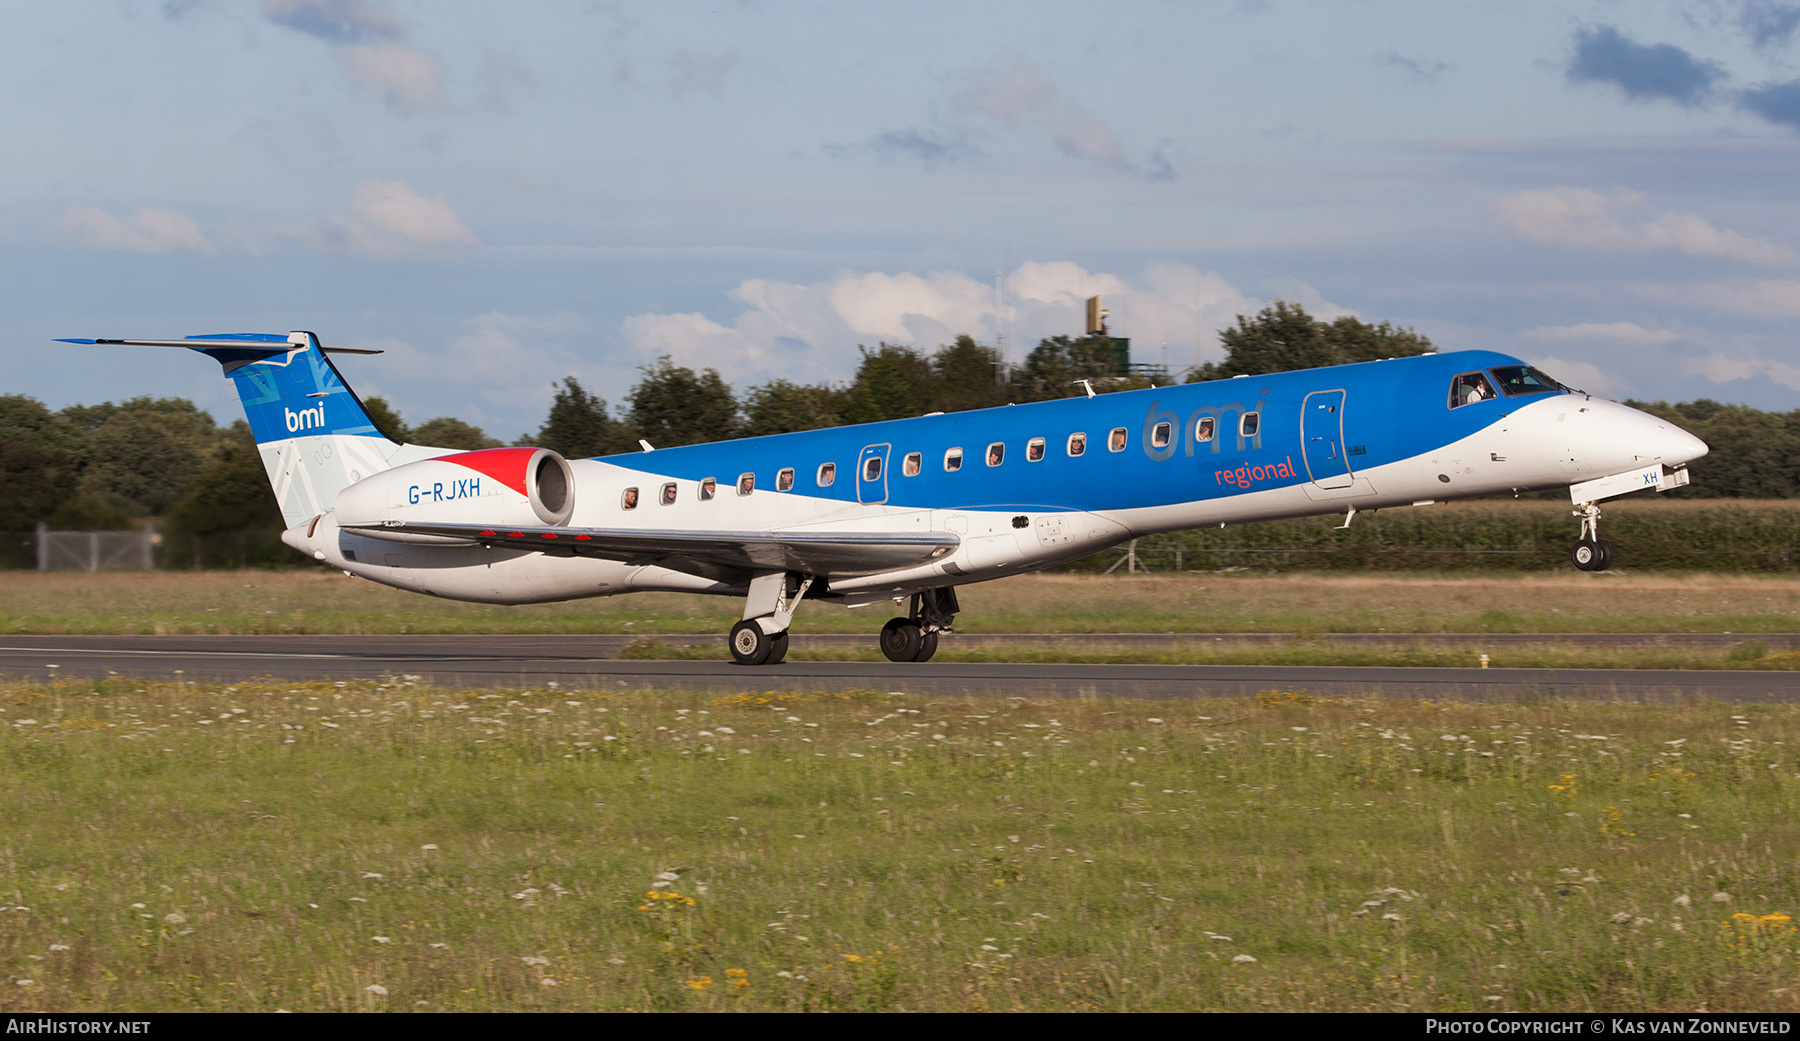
(1322, 439)
(871, 475)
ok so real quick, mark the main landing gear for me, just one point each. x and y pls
(1591, 553)
(762, 637)
(915, 637)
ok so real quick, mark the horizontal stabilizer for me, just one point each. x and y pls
(809, 552)
(274, 345)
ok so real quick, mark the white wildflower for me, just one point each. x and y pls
(1244, 959)
(376, 989)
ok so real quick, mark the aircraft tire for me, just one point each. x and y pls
(778, 645)
(900, 639)
(1588, 556)
(1606, 555)
(749, 644)
(927, 647)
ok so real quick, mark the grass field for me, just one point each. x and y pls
(329, 602)
(395, 847)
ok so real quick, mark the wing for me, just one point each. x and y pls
(703, 552)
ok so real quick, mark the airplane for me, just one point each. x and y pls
(907, 510)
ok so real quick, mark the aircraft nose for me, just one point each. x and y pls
(1647, 438)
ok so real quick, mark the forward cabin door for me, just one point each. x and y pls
(1322, 439)
(871, 475)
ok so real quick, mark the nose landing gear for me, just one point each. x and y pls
(915, 637)
(1591, 552)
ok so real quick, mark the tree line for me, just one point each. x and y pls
(97, 467)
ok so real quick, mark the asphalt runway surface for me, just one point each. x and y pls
(587, 662)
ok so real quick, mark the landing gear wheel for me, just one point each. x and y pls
(778, 645)
(901, 639)
(749, 644)
(927, 647)
(1591, 554)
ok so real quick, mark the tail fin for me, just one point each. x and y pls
(315, 436)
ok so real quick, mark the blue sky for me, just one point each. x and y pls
(502, 195)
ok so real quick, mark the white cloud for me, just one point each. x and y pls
(1762, 298)
(498, 368)
(1583, 374)
(691, 72)
(406, 78)
(811, 332)
(1009, 95)
(1609, 332)
(1581, 219)
(146, 231)
(386, 219)
(1726, 368)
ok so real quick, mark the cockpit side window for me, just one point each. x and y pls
(1469, 388)
(1519, 380)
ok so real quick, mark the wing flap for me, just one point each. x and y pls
(808, 552)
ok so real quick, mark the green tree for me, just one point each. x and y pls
(144, 451)
(672, 406)
(387, 419)
(450, 432)
(892, 382)
(229, 515)
(1283, 337)
(780, 407)
(580, 427)
(25, 419)
(964, 375)
(34, 482)
(1055, 364)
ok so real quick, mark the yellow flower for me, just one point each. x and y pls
(700, 984)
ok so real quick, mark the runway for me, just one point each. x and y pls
(586, 662)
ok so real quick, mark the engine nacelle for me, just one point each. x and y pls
(494, 486)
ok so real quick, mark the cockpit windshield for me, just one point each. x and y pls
(1519, 380)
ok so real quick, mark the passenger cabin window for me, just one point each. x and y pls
(784, 480)
(953, 460)
(912, 464)
(1034, 450)
(668, 494)
(872, 468)
(827, 474)
(708, 488)
(1204, 428)
(628, 501)
(1077, 444)
(1115, 441)
(1469, 388)
(996, 454)
(1250, 424)
(1519, 380)
(1162, 434)
(746, 483)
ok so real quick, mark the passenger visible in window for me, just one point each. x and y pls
(996, 454)
(746, 483)
(784, 480)
(1162, 434)
(1077, 444)
(872, 468)
(668, 494)
(911, 466)
(827, 474)
(1204, 427)
(1248, 426)
(708, 488)
(953, 460)
(1034, 450)
(1469, 388)
(1115, 441)
(629, 499)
